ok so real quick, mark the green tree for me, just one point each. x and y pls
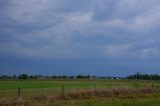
(23, 76)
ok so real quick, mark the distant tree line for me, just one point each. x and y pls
(144, 76)
(41, 77)
(26, 76)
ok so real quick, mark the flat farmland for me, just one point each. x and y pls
(33, 92)
(29, 84)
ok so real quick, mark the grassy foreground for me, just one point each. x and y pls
(36, 93)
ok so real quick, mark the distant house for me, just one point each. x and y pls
(92, 77)
(117, 78)
(42, 77)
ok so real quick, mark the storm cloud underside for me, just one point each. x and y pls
(97, 37)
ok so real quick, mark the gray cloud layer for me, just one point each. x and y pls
(71, 29)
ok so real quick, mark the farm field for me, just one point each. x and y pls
(40, 92)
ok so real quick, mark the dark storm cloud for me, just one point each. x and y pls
(107, 31)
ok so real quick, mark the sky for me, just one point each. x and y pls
(70, 37)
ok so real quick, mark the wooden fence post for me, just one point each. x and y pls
(152, 82)
(95, 87)
(19, 92)
(62, 90)
(152, 85)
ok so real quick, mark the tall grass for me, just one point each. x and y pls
(71, 98)
(87, 94)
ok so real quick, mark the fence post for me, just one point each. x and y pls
(62, 90)
(19, 92)
(95, 87)
(152, 85)
(151, 82)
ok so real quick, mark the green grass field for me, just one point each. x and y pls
(34, 84)
(36, 88)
